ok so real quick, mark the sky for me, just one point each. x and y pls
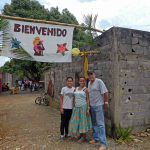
(122, 13)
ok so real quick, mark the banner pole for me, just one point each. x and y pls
(48, 22)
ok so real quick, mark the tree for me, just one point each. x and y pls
(26, 9)
(54, 14)
(30, 69)
(67, 17)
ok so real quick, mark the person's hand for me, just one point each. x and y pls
(88, 113)
(61, 111)
(106, 106)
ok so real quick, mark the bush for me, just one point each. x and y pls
(124, 134)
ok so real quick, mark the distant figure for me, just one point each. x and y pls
(5, 87)
(19, 83)
(22, 85)
(33, 87)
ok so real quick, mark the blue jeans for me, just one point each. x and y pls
(97, 116)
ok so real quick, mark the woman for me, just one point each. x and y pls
(80, 120)
(66, 104)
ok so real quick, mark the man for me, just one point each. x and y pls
(98, 99)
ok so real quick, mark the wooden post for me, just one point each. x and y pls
(49, 22)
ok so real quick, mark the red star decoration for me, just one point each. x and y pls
(62, 48)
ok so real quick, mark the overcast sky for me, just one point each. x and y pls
(123, 13)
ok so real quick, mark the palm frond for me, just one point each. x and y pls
(5, 35)
(94, 21)
(20, 53)
(6, 39)
(90, 22)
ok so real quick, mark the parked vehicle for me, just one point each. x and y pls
(42, 100)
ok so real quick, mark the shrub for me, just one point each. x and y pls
(124, 134)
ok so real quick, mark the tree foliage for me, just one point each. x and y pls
(33, 9)
(29, 69)
(90, 22)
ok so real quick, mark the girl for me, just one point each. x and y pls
(66, 104)
(80, 120)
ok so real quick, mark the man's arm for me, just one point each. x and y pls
(105, 101)
(106, 97)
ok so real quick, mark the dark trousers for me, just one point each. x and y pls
(65, 118)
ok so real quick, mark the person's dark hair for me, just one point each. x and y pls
(90, 72)
(81, 77)
(69, 78)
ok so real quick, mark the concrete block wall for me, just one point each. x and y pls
(62, 71)
(124, 66)
(7, 78)
(104, 68)
(134, 77)
(102, 64)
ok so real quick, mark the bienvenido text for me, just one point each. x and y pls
(27, 29)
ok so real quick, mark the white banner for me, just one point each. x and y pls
(38, 42)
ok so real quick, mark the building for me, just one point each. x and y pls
(124, 65)
(6, 78)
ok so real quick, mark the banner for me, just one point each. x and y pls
(37, 41)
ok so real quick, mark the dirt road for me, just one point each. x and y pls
(27, 126)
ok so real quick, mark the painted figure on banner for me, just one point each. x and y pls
(61, 48)
(38, 46)
(35, 41)
(15, 43)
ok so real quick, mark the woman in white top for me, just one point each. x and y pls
(66, 104)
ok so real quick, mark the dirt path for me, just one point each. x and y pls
(26, 126)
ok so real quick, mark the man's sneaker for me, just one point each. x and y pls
(103, 148)
(93, 142)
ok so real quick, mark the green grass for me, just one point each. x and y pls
(123, 135)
